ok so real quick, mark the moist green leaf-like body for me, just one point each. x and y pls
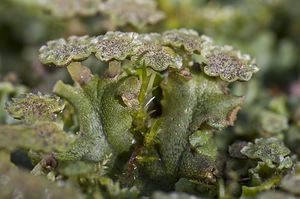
(92, 144)
(269, 150)
(183, 112)
(203, 143)
(117, 118)
(98, 105)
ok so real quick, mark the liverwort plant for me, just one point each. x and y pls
(151, 118)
